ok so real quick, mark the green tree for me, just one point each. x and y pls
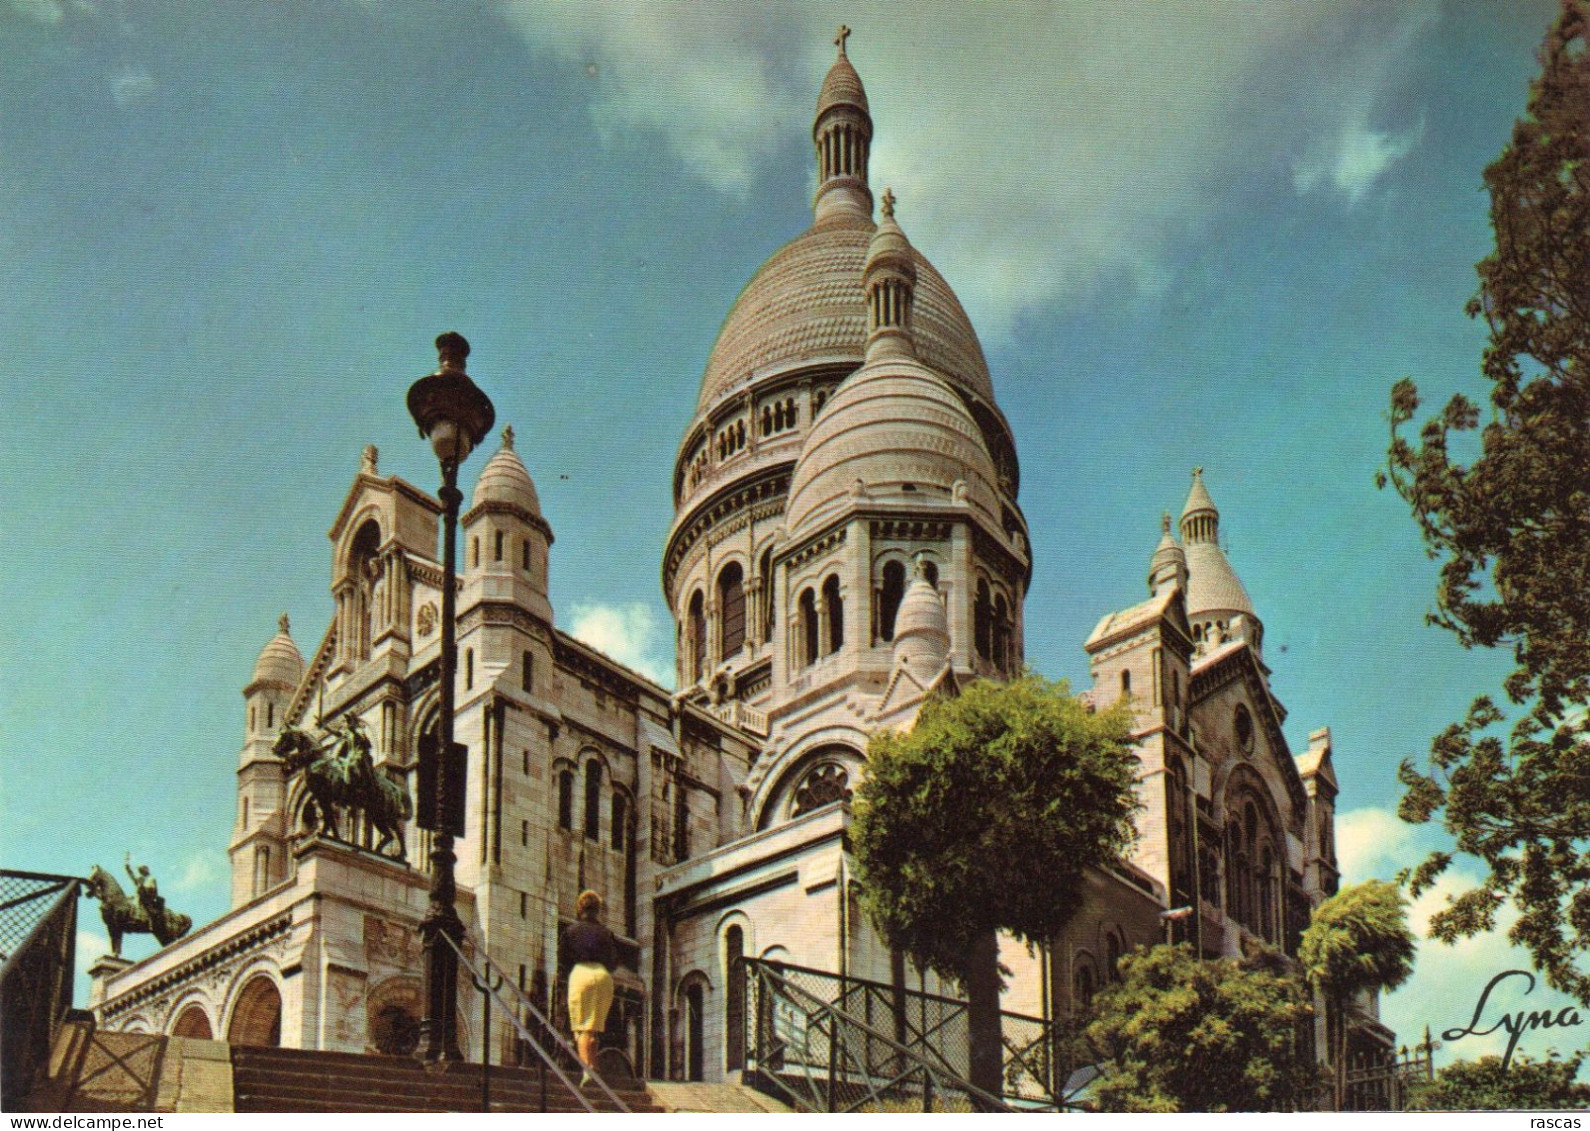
(983, 817)
(1512, 530)
(1178, 1033)
(1357, 940)
(1491, 1084)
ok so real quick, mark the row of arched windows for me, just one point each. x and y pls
(499, 550)
(731, 439)
(780, 416)
(618, 806)
(1253, 870)
(994, 629)
(821, 621)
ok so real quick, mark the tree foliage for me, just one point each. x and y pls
(1357, 940)
(1177, 1033)
(983, 817)
(1512, 530)
(986, 813)
(1491, 1084)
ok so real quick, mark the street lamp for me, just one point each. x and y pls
(454, 415)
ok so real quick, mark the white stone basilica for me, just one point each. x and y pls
(847, 541)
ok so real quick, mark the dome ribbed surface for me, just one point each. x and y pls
(841, 87)
(505, 479)
(279, 662)
(1212, 584)
(890, 425)
(921, 628)
(807, 302)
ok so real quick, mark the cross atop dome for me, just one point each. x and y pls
(839, 40)
(507, 437)
(888, 202)
(282, 624)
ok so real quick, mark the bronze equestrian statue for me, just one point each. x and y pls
(149, 916)
(340, 773)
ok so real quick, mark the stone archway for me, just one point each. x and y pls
(257, 1016)
(193, 1022)
(393, 1014)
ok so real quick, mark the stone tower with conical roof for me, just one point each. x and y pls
(257, 850)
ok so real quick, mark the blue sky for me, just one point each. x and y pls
(1187, 234)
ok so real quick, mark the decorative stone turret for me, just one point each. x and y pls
(890, 283)
(922, 628)
(257, 848)
(842, 132)
(1217, 605)
(1168, 567)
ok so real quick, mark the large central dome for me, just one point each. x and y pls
(806, 304)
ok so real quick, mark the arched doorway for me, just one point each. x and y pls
(257, 1017)
(734, 998)
(193, 1022)
(695, 1031)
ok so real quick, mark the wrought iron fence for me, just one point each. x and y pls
(815, 1056)
(1039, 1056)
(38, 943)
(1384, 1081)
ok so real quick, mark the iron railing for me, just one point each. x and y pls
(1384, 1081)
(38, 944)
(814, 1055)
(490, 981)
(1039, 1057)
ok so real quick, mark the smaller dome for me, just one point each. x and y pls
(842, 86)
(504, 479)
(893, 431)
(279, 661)
(921, 627)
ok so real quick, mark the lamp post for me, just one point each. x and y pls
(454, 415)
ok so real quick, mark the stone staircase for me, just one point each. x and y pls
(303, 1080)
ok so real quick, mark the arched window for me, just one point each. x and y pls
(1112, 951)
(497, 548)
(524, 555)
(593, 800)
(808, 627)
(1084, 987)
(1242, 723)
(983, 618)
(734, 1000)
(474, 550)
(836, 613)
(695, 1007)
(696, 635)
(731, 606)
(1126, 683)
(620, 817)
(822, 785)
(1001, 633)
(469, 667)
(769, 607)
(364, 613)
(890, 593)
(566, 799)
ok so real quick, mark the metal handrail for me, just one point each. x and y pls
(924, 1035)
(36, 981)
(547, 1059)
(815, 1007)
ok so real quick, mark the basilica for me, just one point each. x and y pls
(847, 541)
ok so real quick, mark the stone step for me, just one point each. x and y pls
(287, 1080)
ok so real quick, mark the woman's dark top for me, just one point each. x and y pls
(590, 942)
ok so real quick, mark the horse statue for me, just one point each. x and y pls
(340, 773)
(124, 917)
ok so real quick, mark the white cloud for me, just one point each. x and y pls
(1353, 161)
(200, 870)
(1037, 152)
(41, 11)
(91, 945)
(632, 634)
(131, 85)
(1447, 980)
